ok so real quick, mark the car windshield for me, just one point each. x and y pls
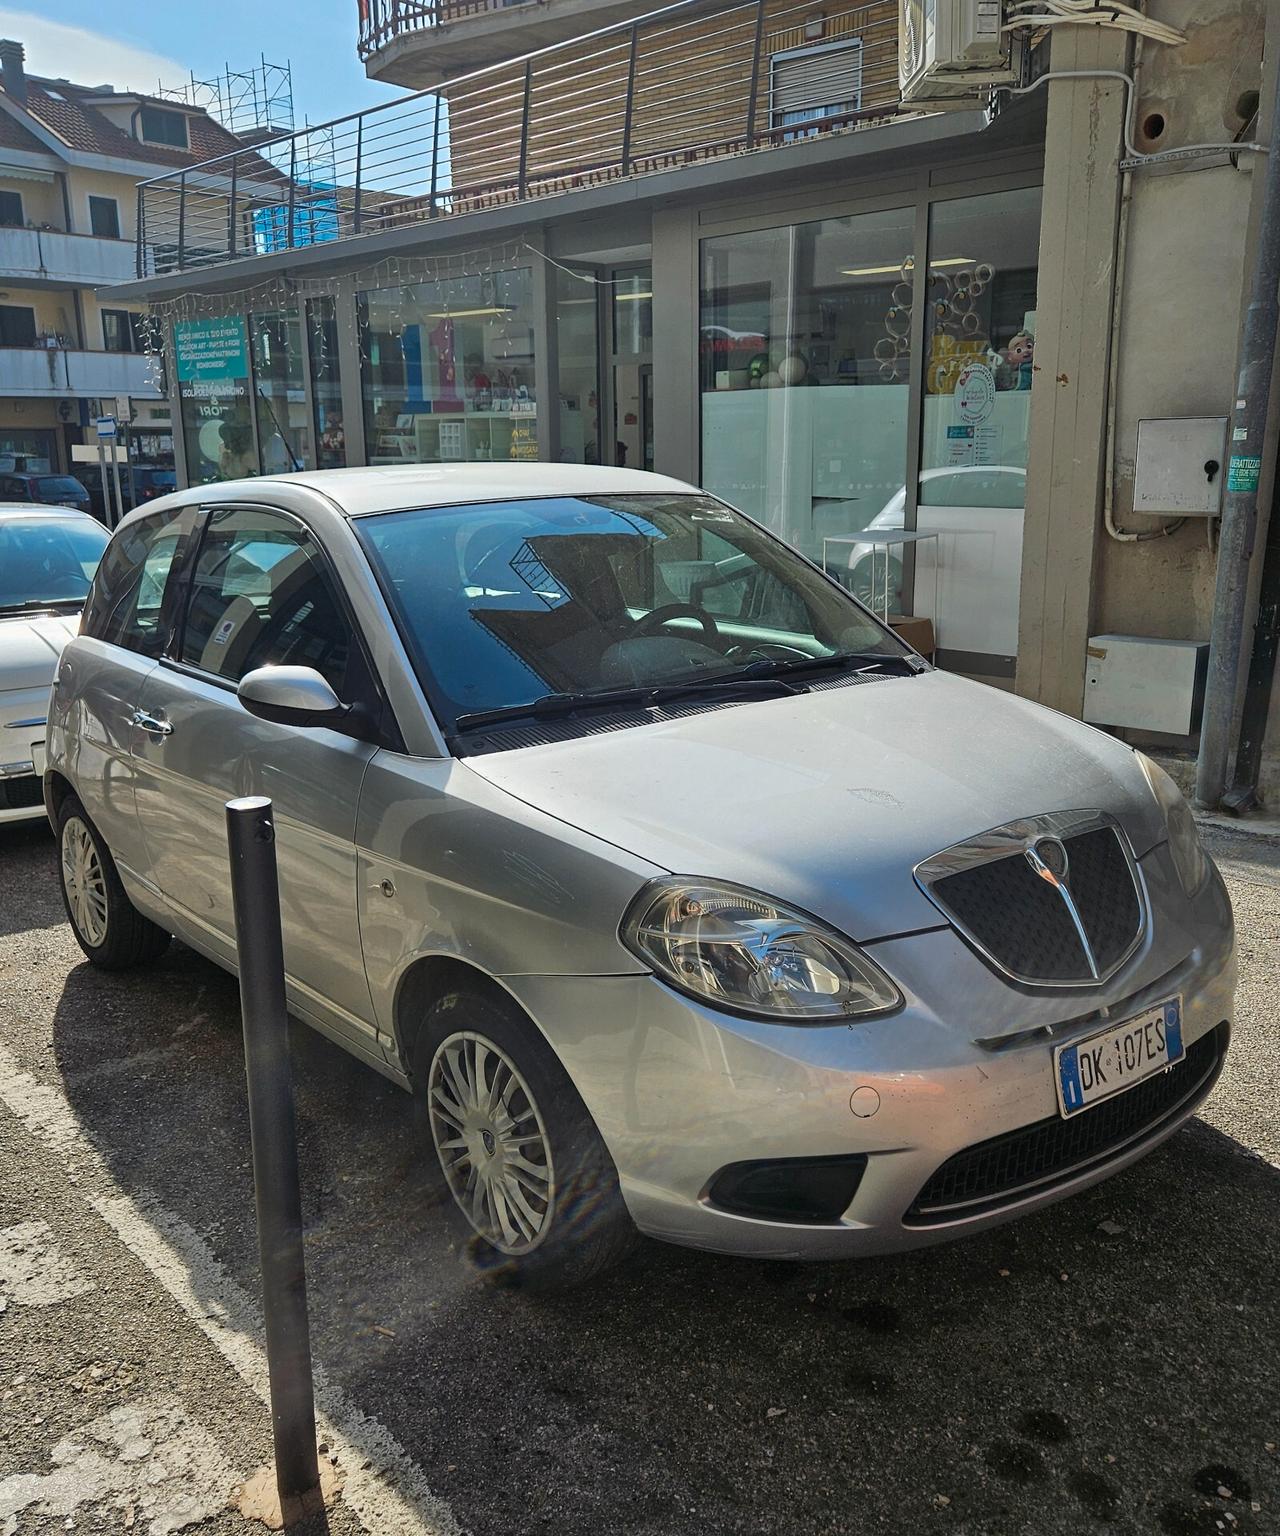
(56, 488)
(47, 561)
(505, 603)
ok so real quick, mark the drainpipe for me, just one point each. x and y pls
(1240, 498)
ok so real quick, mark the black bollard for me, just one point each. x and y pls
(256, 899)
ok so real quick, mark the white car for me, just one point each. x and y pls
(47, 559)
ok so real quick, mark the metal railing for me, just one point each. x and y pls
(384, 21)
(672, 87)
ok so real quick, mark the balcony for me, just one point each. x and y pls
(656, 93)
(49, 258)
(59, 372)
(422, 43)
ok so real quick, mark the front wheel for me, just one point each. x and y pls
(107, 925)
(511, 1148)
(867, 583)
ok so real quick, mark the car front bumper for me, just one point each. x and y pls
(22, 754)
(680, 1091)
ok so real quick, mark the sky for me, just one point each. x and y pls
(133, 43)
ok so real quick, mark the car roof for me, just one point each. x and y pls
(45, 509)
(399, 487)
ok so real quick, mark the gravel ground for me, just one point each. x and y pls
(1111, 1363)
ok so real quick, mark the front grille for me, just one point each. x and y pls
(1022, 923)
(996, 1173)
(21, 794)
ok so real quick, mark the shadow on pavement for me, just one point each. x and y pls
(1056, 1375)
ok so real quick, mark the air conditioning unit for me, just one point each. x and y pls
(951, 52)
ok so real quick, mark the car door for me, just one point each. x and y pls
(261, 592)
(128, 617)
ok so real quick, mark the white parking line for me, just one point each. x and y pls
(384, 1487)
(33, 1270)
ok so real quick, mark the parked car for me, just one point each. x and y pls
(681, 894)
(44, 490)
(47, 560)
(150, 482)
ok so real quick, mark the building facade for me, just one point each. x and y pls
(71, 157)
(922, 346)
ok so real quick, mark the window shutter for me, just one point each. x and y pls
(817, 80)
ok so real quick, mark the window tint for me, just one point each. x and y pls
(126, 604)
(261, 596)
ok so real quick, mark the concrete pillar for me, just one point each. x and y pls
(676, 406)
(1083, 145)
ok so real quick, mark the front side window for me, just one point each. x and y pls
(126, 605)
(262, 596)
(505, 603)
(47, 561)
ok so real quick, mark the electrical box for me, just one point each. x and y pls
(951, 52)
(1149, 685)
(1179, 466)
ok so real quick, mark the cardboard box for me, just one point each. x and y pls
(916, 632)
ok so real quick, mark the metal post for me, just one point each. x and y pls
(435, 156)
(1243, 794)
(115, 482)
(106, 493)
(754, 90)
(524, 126)
(140, 221)
(293, 185)
(631, 91)
(182, 219)
(355, 207)
(256, 903)
(1240, 495)
(232, 230)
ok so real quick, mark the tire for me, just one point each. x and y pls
(107, 925)
(570, 1223)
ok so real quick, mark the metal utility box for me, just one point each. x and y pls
(1149, 685)
(1180, 465)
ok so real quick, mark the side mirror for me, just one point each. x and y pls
(290, 696)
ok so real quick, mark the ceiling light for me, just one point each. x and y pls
(625, 298)
(465, 314)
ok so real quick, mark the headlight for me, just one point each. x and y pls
(746, 952)
(1189, 857)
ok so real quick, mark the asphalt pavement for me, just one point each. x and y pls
(1112, 1363)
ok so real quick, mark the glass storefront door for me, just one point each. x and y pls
(633, 368)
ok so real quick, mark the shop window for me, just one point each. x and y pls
(211, 358)
(809, 84)
(326, 384)
(17, 325)
(104, 217)
(160, 125)
(578, 359)
(448, 370)
(279, 395)
(11, 210)
(805, 375)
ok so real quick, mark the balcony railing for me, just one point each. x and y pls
(53, 370)
(386, 21)
(52, 256)
(676, 86)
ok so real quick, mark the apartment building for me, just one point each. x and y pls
(71, 156)
(713, 239)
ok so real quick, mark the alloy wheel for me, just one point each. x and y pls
(85, 883)
(491, 1142)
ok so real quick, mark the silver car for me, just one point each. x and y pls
(47, 559)
(680, 893)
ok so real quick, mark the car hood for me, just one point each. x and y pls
(30, 645)
(829, 799)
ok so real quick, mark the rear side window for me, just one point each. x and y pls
(126, 605)
(261, 595)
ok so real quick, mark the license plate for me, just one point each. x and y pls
(1118, 1057)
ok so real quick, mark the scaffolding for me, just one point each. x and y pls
(251, 103)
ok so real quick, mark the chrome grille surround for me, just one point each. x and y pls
(1018, 840)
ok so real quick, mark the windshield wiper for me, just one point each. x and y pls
(645, 698)
(855, 661)
(35, 605)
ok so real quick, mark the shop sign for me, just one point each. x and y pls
(212, 354)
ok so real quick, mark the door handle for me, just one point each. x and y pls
(151, 725)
